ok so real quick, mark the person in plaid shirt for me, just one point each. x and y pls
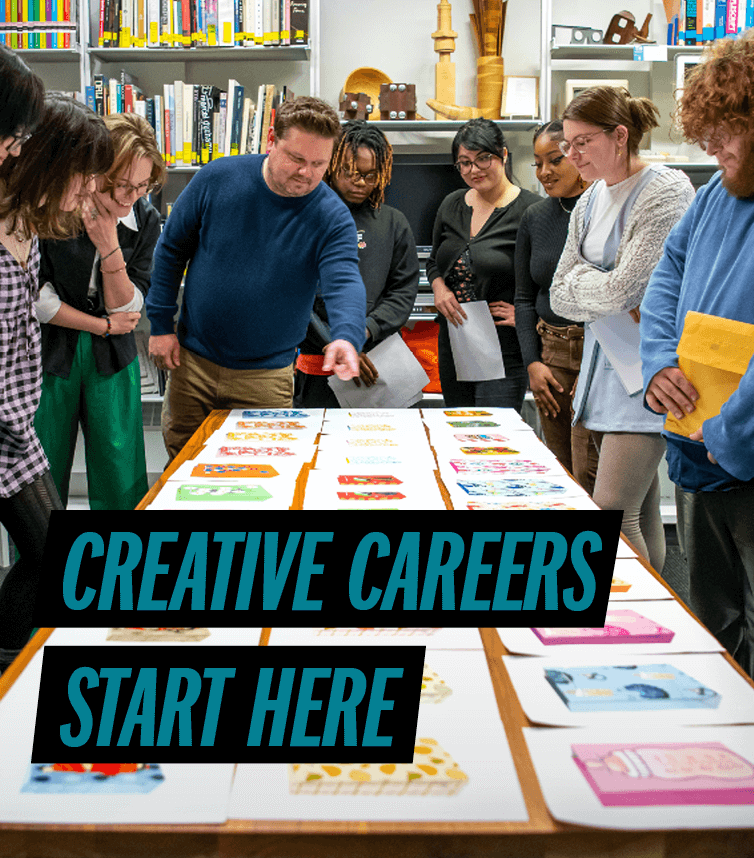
(42, 186)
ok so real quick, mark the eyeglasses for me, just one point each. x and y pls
(483, 162)
(125, 189)
(355, 176)
(580, 143)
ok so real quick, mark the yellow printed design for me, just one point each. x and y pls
(432, 772)
(434, 689)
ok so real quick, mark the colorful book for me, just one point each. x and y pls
(629, 688)
(621, 627)
(676, 773)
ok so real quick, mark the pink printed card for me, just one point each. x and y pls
(649, 774)
(621, 626)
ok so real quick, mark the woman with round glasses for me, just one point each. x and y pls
(615, 239)
(359, 172)
(472, 258)
(90, 303)
(550, 344)
(41, 188)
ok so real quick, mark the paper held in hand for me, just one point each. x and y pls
(475, 346)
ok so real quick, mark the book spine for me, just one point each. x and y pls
(90, 98)
(259, 22)
(237, 117)
(188, 123)
(205, 123)
(212, 35)
(128, 98)
(299, 22)
(691, 22)
(731, 18)
(219, 146)
(186, 23)
(232, 84)
(177, 127)
(225, 22)
(720, 10)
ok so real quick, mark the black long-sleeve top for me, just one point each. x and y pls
(541, 238)
(389, 267)
(68, 265)
(491, 251)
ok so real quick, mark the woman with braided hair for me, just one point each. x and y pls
(359, 172)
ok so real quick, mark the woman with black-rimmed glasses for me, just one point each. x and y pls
(472, 258)
(90, 302)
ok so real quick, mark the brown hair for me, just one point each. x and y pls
(309, 114)
(358, 133)
(21, 95)
(720, 90)
(71, 140)
(608, 107)
(133, 137)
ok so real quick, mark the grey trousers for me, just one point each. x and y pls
(716, 533)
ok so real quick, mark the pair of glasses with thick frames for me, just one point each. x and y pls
(579, 144)
(482, 162)
(356, 176)
(123, 188)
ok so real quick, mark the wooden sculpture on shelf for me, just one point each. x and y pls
(622, 30)
(488, 27)
(443, 103)
(445, 71)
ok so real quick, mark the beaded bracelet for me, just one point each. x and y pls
(103, 258)
(109, 327)
(114, 270)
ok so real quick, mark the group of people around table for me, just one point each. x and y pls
(293, 269)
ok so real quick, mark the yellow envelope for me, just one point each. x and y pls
(713, 354)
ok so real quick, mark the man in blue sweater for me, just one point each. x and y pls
(708, 267)
(260, 234)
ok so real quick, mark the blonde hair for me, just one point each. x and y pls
(133, 137)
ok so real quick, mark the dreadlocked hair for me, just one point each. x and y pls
(357, 133)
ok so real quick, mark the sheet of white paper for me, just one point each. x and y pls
(690, 636)
(570, 798)
(224, 495)
(542, 705)
(619, 337)
(183, 794)
(98, 637)
(400, 382)
(491, 792)
(641, 583)
(428, 637)
(475, 346)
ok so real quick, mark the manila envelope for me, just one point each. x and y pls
(713, 354)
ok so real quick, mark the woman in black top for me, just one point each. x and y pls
(551, 345)
(472, 258)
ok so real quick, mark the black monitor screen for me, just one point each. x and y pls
(418, 186)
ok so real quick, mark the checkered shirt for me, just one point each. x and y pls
(22, 458)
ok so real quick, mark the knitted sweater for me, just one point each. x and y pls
(256, 260)
(584, 292)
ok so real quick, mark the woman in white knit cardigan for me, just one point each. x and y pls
(615, 239)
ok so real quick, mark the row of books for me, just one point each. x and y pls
(42, 24)
(700, 22)
(194, 123)
(202, 23)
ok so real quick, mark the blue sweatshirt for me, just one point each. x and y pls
(255, 260)
(707, 266)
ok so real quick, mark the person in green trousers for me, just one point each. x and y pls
(90, 301)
